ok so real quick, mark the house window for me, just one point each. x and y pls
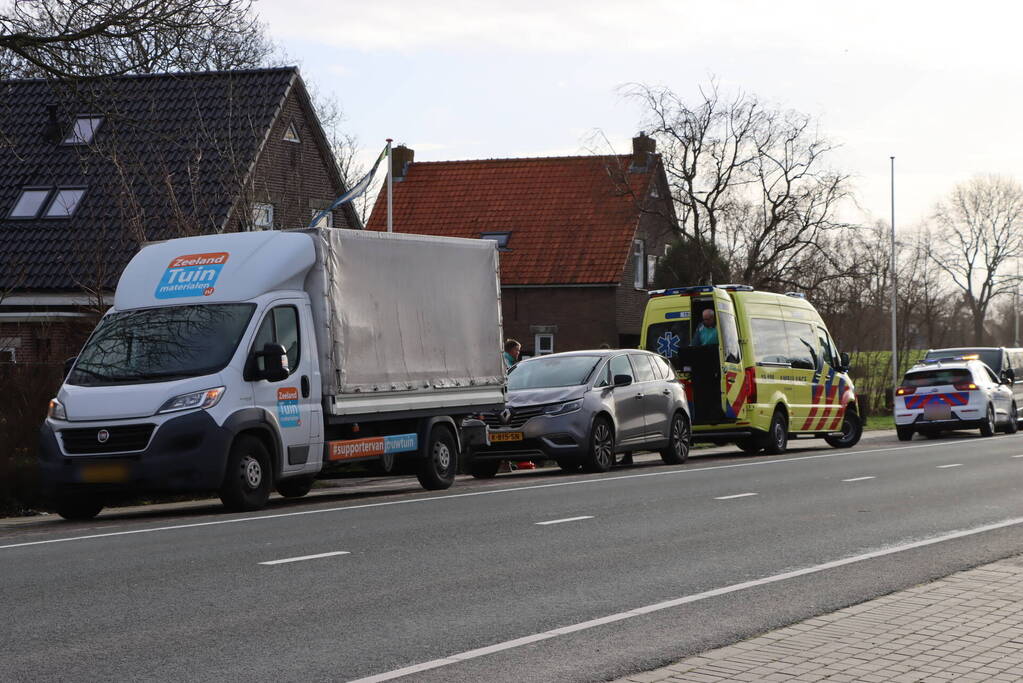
(7, 355)
(291, 135)
(83, 130)
(638, 264)
(325, 221)
(500, 237)
(64, 202)
(29, 203)
(263, 216)
(543, 344)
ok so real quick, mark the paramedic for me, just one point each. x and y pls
(706, 332)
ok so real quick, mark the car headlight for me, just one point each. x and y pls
(56, 410)
(562, 408)
(207, 398)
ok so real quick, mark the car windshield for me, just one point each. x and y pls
(161, 344)
(990, 357)
(552, 371)
(934, 378)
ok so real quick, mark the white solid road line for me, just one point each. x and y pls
(1018, 456)
(562, 521)
(859, 478)
(668, 604)
(955, 464)
(307, 557)
(451, 496)
(737, 495)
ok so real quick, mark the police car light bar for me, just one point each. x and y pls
(948, 359)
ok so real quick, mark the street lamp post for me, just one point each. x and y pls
(895, 351)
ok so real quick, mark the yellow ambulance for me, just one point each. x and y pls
(758, 367)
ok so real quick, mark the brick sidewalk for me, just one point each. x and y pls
(965, 627)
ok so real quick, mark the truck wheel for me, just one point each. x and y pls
(437, 470)
(777, 438)
(852, 430)
(987, 427)
(484, 469)
(904, 433)
(601, 454)
(76, 508)
(679, 435)
(294, 487)
(248, 478)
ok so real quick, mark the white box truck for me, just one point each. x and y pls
(245, 362)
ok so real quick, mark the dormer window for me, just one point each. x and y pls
(83, 131)
(500, 237)
(291, 135)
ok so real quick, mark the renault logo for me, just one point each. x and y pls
(102, 436)
(506, 415)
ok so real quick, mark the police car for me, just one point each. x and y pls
(958, 392)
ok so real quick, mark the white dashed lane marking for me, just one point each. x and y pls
(306, 557)
(737, 495)
(859, 478)
(955, 464)
(562, 521)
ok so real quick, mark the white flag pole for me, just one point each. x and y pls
(390, 186)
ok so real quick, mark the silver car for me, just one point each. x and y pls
(582, 407)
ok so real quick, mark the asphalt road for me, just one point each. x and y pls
(530, 577)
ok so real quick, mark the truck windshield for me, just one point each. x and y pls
(161, 344)
(552, 371)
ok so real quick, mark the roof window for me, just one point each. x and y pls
(83, 130)
(64, 202)
(500, 237)
(30, 201)
(291, 135)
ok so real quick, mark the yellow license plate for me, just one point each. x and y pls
(105, 473)
(505, 436)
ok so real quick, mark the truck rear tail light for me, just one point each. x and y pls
(965, 386)
(903, 391)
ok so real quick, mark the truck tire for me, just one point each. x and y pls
(679, 436)
(248, 478)
(777, 438)
(600, 457)
(484, 469)
(437, 470)
(852, 430)
(75, 508)
(294, 487)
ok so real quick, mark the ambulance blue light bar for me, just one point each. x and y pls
(796, 295)
(683, 291)
(737, 288)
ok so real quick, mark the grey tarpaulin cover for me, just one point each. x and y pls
(397, 312)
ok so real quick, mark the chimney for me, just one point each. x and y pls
(51, 130)
(642, 148)
(401, 157)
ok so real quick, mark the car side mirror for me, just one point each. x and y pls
(623, 380)
(68, 364)
(275, 363)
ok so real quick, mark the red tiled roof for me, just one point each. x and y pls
(571, 219)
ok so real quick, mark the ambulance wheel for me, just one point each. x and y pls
(247, 480)
(1012, 426)
(437, 470)
(677, 450)
(484, 469)
(777, 438)
(904, 433)
(752, 445)
(294, 487)
(852, 430)
(75, 508)
(601, 454)
(987, 427)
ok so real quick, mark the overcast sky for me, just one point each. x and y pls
(936, 84)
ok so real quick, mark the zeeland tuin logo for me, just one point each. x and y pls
(191, 275)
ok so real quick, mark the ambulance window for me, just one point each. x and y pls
(644, 371)
(826, 350)
(666, 339)
(802, 345)
(769, 341)
(729, 337)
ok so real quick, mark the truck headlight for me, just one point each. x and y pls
(562, 408)
(56, 410)
(207, 398)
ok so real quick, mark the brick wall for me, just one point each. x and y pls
(293, 176)
(584, 316)
(46, 341)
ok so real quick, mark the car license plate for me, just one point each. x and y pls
(505, 436)
(938, 411)
(105, 473)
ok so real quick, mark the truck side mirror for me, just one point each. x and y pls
(275, 363)
(843, 358)
(623, 380)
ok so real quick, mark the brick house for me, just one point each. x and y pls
(579, 237)
(90, 170)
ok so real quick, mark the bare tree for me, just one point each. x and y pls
(749, 181)
(74, 38)
(978, 231)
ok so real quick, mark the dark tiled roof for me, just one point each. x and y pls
(167, 160)
(571, 219)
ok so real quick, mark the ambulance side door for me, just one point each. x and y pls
(729, 355)
(804, 368)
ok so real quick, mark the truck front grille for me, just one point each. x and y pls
(119, 439)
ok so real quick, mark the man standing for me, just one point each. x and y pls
(707, 331)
